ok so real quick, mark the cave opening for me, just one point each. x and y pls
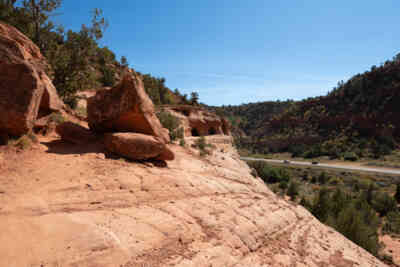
(212, 131)
(195, 132)
(44, 109)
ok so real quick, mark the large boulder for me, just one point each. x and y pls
(26, 92)
(137, 146)
(125, 108)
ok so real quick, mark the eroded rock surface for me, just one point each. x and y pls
(26, 92)
(75, 208)
(197, 121)
(137, 146)
(125, 108)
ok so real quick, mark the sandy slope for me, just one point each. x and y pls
(65, 205)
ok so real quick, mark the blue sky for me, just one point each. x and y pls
(240, 51)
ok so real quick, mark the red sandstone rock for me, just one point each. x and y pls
(125, 108)
(84, 210)
(197, 121)
(167, 154)
(137, 146)
(25, 89)
(75, 133)
(226, 126)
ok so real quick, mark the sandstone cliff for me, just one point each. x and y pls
(198, 121)
(65, 205)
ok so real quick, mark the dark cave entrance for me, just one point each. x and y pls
(212, 131)
(195, 132)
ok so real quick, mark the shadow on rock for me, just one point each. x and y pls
(65, 148)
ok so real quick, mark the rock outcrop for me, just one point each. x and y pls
(197, 121)
(26, 92)
(125, 108)
(137, 146)
(68, 209)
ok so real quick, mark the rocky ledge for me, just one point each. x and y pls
(68, 205)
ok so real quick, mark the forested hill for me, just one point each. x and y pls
(360, 117)
(246, 119)
(77, 61)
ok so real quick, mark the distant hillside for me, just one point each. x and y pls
(359, 118)
(246, 119)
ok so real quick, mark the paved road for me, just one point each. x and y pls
(329, 165)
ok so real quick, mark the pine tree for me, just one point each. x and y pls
(322, 205)
(293, 191)
(38, 12)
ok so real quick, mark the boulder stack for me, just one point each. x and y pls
(126, 116)
(26, 92)
(125, 108)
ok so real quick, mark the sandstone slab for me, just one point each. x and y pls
(137, 146)
(68, 210)
(125, 108)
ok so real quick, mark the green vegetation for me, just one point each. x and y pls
(57, 118)
(357, 119)
(203, 146)
(355, 204)
(171, 123)
(182, 142)
(25, 141)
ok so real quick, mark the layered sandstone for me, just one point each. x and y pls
(26, 92)
(125, 108)
(65, 205)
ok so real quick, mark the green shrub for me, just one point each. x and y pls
(268, 173)
(392, 224)
(108, 78)
(71, 101)
(323, 178)
(57, 118)
(23, 143)
(354, 218)
(293, 190)
(176, 134)
(351, 224)
(283, 185)
(335, 181)
(182, 142)
(171, 123)
(351, 156)
(200, 143)
(81, 111)
(305, 203)
(383, 203)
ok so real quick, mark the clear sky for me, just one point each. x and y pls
(240, 51)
